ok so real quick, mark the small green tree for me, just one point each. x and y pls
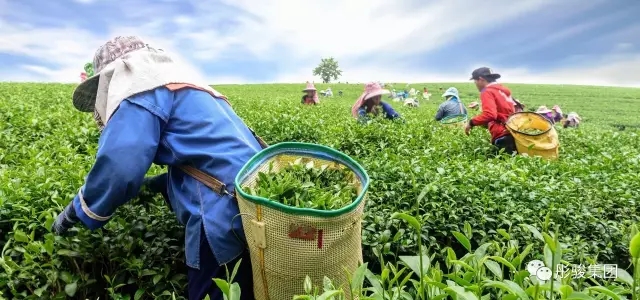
(327, 70)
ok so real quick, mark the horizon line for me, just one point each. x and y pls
(358, 83)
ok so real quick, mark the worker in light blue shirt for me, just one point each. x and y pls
(173, 126)
(451, 106)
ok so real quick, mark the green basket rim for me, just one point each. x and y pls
(280, 148)
(454, 116)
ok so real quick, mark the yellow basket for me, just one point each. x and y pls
(544, 144)
(286, 243)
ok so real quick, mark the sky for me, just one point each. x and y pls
(593, 42)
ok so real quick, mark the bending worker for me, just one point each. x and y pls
(369, 104)
(311, 95)
(451, 106)
(497, 106)
(148, 110)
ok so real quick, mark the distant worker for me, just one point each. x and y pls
(474, 105)
(425, 93)
(546, 113)
(411, 102)
(497, 106)
(369, 103)
(557, 113)
(327, 93)
(572, 120)
(311, 96)
(340, 93)
(451, 106)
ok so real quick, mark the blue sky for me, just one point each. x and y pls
(242, 41)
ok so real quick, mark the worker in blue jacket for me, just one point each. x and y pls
(146, 117)
(369, 104)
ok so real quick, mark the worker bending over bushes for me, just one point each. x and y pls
(149, 110)
(451, 106)
(497, 106)
(311, 96)
(369, 104)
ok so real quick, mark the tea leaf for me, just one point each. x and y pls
(70, 289)
(634, 246)
(463, 240)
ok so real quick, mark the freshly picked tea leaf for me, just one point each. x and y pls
(532, 131)
(306, 185)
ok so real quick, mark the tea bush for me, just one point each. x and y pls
(591, 193)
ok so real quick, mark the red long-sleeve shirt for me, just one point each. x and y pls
(497, 106)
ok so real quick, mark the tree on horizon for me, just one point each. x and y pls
(328, 70)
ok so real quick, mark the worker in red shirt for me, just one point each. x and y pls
(497, 106)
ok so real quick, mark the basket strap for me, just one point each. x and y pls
(259, 139)
(206, 179)
(210, 181)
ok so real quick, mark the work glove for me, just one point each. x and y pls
(65, 220)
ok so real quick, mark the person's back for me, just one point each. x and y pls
(148, 110)
(572, 120)
(449, 108)
(203, 132)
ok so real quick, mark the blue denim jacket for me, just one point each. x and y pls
(187, 126)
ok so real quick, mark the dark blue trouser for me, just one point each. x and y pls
(201, 283)
(507, 143)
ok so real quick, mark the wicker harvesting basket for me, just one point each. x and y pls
(288, 243)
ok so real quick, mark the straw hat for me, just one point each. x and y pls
(310, 87)
(374, 89)
(543, 110)
(84, 97)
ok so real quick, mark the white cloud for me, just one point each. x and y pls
(611, 70)
(295, 34)
(345, 29)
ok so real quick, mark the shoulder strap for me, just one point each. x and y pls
(206, 179)
(210, 181)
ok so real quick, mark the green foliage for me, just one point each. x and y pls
(306, 185)
(439, 176)
(327, 70)
(88, 68)
(494, 270)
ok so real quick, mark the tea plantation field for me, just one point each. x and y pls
(506, 211)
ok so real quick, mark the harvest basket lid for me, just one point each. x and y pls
(454, 119)
(301, 150)
(528, 120)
